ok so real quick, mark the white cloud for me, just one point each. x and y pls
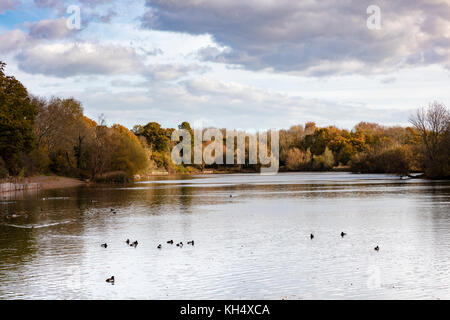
(12, 40)
(62, 60)
(167, 72)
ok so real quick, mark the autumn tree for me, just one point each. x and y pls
(128, 155)
(17, 115)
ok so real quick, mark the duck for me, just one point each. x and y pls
(170, 242)
(104, 245)
(128, 241)
(180, 244)
(110, 280)
(191, 242)
(311, 236)
(112, 210)
(377, 248)
(343, 234)
(134, 244)
(159, 246)
(231, 196)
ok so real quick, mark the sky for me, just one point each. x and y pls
(252, 65)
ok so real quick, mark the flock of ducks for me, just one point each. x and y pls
(180, 244)
(343, 234)
(135, 244)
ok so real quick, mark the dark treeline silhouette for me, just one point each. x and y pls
(53, 136)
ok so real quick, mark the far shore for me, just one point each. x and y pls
(59, 182)
(49, 182)
(56, 182)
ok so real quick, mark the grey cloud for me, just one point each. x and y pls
(6, 5)
(49, 29)
(56, 5)
(312, 37)
(47, 3)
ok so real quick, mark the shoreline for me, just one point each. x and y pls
(43, 183)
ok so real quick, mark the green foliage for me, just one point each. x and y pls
(157, 138)
(17, 115)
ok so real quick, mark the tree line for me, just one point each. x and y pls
(53, 136)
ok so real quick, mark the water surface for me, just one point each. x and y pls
(253, 245)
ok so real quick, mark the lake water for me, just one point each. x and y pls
(253, 245)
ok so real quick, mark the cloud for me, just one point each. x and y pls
(315, 38)
(102, 18)
(62, 60)
(12, 40)
(55, 5)
(47, 3)
(209, 102)
(388, 80)
(67, 60)
(49, 29)
(16, 40)
(167, 72)
(94, 3)
(6, 5)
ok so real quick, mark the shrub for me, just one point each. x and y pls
(397, 160)
(3, 170)
(113, 177)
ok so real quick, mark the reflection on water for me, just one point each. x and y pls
(252, 245)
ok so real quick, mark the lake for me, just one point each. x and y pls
(253, 245)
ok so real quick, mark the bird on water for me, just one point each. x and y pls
(110, 280)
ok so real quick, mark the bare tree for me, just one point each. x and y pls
(432, 124)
